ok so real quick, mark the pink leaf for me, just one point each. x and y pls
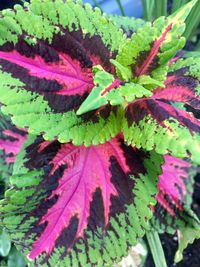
(11, 141)
(87, 171)
(180, 87)
(60, 71)
(172, 188)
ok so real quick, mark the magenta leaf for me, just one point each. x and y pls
(80, 198)
(172, 184)
(52, 71)
(86, 174)
(180, 86)
(11, 139)
(48, 69)
(88, 180)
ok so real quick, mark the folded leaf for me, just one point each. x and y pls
(70, 203)
(47, 52)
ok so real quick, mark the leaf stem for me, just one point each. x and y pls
(121, 7)
(156, 249)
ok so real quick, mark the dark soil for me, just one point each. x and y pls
(8, 3)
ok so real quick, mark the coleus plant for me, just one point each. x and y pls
(99, 125)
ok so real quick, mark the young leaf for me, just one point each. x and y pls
(109, 90)
(47, 52)
(79, 199)
(150, 49)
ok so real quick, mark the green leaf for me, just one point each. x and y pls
(123, 73)
(156, 248)
(147, 134)
(128, 24)
(5, 244)
(186, 236)
(148, 7)
(16, 259)
(152, 46)
(109, 90)
(160, 8)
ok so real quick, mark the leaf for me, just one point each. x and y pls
(11, 140)
(172, 184)
(15, 259)
(149, 120)
(152, 46)
(182, 83)
(112, 91)
(186, 236)
(128, 24)
(104, 82)
(79, 199)
(48, 68)
(173, 211)
(5, 244)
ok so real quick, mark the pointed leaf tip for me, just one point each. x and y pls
(183, 12)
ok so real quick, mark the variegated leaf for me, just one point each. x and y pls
(70, 203)
(47, 52)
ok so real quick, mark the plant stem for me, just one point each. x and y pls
(160, 8)
(156, 249)
(120, 7)
(148, 6)
(192, 21)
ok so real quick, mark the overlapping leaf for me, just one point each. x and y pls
(172, 184)
(173, 211)
(47, 52)
(71, 202)
(128, 24)
(150, 120)
(11, 141)
(109, 90)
